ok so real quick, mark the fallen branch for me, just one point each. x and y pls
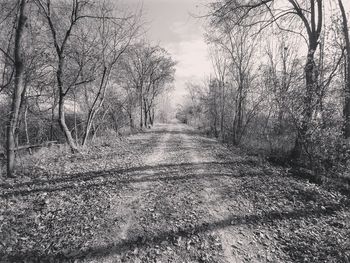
(24, 147)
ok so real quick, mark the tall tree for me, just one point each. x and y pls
(264, 13)
(239, 46)
(345, 30)
(18, 88)
(114, 38)
(61, 33)
(220, 65)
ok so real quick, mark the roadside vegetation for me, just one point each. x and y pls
(72, 71)
(281, 84)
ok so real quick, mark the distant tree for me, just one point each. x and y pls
(148, 70)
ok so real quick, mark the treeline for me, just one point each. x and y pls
(71, 69)
(282, 80)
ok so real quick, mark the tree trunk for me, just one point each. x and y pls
(26, 126)
(94, 132)
(63, 125)
(238, 121)
(152, 117)
(95, 129)
(52, 121)
(311, 76)
(222, 117)
(131, 120)
(88, 126)
(145, 109)
(18, 90)
(234, 129)
(75, 120)
(141, 108)
(61, 111)
(129, 111)
(95, 105)
(347, 72)
(282, 90)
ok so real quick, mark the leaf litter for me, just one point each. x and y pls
(193, 201)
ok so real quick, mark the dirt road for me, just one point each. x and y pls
(195, 201)
(170, 195)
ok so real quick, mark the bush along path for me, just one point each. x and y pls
(168, 195)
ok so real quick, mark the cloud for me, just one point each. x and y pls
(192, 57)
(172, 26)
(193, 64)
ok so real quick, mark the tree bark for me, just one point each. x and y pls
(131, 120)
(222, 117)
(61, 110)
(141, 108)
(302, 134)
(96, 106)
(238, 120)
(26, 126)
(52, 124)
(18, 90)
(75, 120)
(63, 125)
(282, 91)
(145, 109)
(311, 74)
(152, 116)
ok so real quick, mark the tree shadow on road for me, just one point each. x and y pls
(152, 239)
(161, 172)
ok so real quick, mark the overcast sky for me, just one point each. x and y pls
(173, 27)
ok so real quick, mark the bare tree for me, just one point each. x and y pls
(114, 39)
(61, 35)
(238, 45)
(160, 73)
(148, 70)
(281, 74)
(345, 29)
(310, 15)
(220, 66)
(18, 87)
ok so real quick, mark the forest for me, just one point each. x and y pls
(280, 86)
(100, 161)
(74, 69)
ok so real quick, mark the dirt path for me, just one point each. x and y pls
(195, 201)
(238, 243)
(178, 197)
